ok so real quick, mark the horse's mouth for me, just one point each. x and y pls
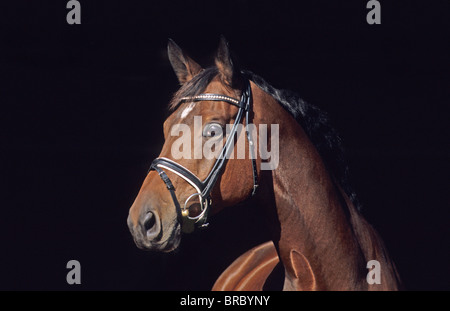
(173, 241)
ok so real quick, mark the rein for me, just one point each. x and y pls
(205, 187)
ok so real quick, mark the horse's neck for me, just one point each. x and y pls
(317, 244)
(314, 227)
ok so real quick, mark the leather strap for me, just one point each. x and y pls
(251, 147)
(179, 169)
(171, 189)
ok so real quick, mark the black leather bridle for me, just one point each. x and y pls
(205, 187)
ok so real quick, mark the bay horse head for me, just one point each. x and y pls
(179, 192)
(317, 231)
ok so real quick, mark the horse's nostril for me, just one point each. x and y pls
(151, 225)
(149, 221)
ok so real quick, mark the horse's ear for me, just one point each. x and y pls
(185, 68)
(228, 69)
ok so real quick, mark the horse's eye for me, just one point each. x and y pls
(212, 130)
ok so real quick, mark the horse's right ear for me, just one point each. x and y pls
(185, 68)
(228, 70)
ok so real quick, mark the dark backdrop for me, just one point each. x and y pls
(81, 118)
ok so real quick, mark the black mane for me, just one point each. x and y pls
(314, 121)
(316, 124)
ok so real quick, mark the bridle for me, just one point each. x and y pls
(205, 187)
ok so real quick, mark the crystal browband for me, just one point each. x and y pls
(214, 97)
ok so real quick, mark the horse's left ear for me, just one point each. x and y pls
(228, 69)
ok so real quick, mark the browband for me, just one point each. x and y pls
(214, 97)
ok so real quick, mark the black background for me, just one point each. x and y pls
(81, 118)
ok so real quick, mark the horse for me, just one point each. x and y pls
(317, 231)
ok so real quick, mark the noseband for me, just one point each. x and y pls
(205, 187)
